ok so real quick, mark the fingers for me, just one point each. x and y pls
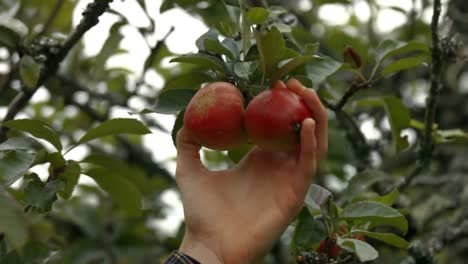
(188, 154)
(319, 114)
(308, 153)
(280, 84)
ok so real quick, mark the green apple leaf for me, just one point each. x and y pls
(36, 128)
(115, 127)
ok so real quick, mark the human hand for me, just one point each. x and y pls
(234, 216)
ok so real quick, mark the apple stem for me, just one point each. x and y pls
(297, 128)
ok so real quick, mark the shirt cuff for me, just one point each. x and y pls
(180, 258)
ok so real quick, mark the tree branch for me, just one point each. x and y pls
(154, 51)
(90, 18)
(427, 144)
(353, 89)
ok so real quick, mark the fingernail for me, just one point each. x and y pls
(310, 120)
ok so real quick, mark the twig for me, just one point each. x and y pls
(150, 60)
(353, 89)
(53, 15)
(155, 49)
(90, 18)
(427, 144)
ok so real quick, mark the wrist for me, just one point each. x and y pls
(199, 250)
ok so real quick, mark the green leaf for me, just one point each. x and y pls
(271, 47)
(142, 4)
(228, 28)
(70, 176)
(110, 47)
(41, 195)
(308, 231)
(360, 183)
(389, 48)
(363, 250)
(18, 143)
(12, 220)
(388, 199)
(211, 34)
(245, 69)
(166, 5)
(216, 47)
(9, 10)
(311, 48)
(232, 46)
(173, 100)
(398, 115)
(36, 128)
(375, 213)
(257, 15)
(30, 71)
(178, 124)
(387, 238)
(402, 64)
(238, 154)
(291, 65)
(204, 60)
(302, 36)
(191, 80)
(156, 62)
(121, 190)
(318, 70)
(57, 161)
(13, 164)
(318, 198)
(11, 31)
(115, 127)
(134, 174)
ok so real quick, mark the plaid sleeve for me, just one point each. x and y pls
(180, 258)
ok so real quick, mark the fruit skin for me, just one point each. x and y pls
(215, 116)
(273, 119)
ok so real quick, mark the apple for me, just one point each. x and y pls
(273, 119)
(215, 116)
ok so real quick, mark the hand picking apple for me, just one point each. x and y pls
(217, 119)
(234, 216)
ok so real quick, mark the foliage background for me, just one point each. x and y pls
(99, 223)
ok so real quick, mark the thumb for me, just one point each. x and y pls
(188, 153)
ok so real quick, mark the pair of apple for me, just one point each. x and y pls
(217, 117)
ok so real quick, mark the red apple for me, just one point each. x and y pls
(215, 116)
(273, 119)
